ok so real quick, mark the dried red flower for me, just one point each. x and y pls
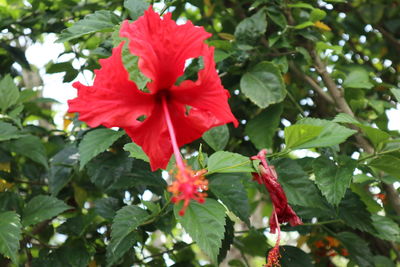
(269, 178)
(282, 212)
(163, 48)
(187, 186)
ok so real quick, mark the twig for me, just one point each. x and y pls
(168, 251)
(312, 83)
(389, 37)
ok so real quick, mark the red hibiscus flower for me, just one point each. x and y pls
(282, 212)
(175, 114)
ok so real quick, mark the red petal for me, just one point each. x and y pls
(113, 100)
(163, 46)
(207, 93)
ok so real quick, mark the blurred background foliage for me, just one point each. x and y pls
(310, 81)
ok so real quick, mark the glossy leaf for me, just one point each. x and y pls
(42, 208)
(217, 138)
(10, 234)
(136, 152)
(263, 84)
(95, 142)
(136, 8)
(8, 131)
(9, 93)
(223, 161)
(31, 147)
(230, 190)
(357, 248)
(205, 224)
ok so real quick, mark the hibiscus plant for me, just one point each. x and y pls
(202, 133)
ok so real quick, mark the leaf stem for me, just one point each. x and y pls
(378, 154)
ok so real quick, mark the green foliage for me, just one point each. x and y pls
(41, 208)
(95, 142)
(311, 78)
(10, 234)
(263, 84)
(205, 224)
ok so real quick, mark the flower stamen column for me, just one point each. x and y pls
(188, 184)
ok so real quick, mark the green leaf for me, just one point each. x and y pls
(95, 142)
(332, 178)
(263, 84)
(8, 131)
(101, 20)
(205, 224)
(297, 135)
(387, 163)
(217, 138)
(136, 8)
(10, 234)
(358, 249)
(108, 168)
(9, 93)
(106, 207)
(366, 197)
(230, 190)
(382, 261)
(317, 14)
(61, 166)
(254, 243)
(376, 136)
(396, 93)
(223, 161)
(357, 78)
(131, 65)
(354, 212)
(41, 208)
(345, 118)
(299, 189)
(252, 28)
(31, 147)
(329, 135)
(122, 237)
(136, 152)
(301, 5)
(227, 241)
(386, 228)
(262, 128)
(294, 257)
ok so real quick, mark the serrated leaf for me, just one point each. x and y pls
(227, 241)
(329, 134)
(252, 28)
(357, 78)
(106, 207)
(136, 8)
(95, 142)
(376, 136)
(345, 118)
(263, 84)
(205, 224)
(299, 189)
(136, 152)
(366, 197)
(261, 129)
(230, 190)
(387, 163)
(31, 147)
(9, 93)
(10, 234)
(61, 166)
(122, 237)
(386, 228)
(8, 131)
(294, 257)
(358, 249)
(297, 135)
(41, 208)
(217, 138)
(223, 161)
(101, 20)
(108, 168)
(396, 93)
(333, 179)
(354, 212)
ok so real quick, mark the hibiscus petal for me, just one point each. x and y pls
(207, 93)
(113, 100)
(163, 46)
